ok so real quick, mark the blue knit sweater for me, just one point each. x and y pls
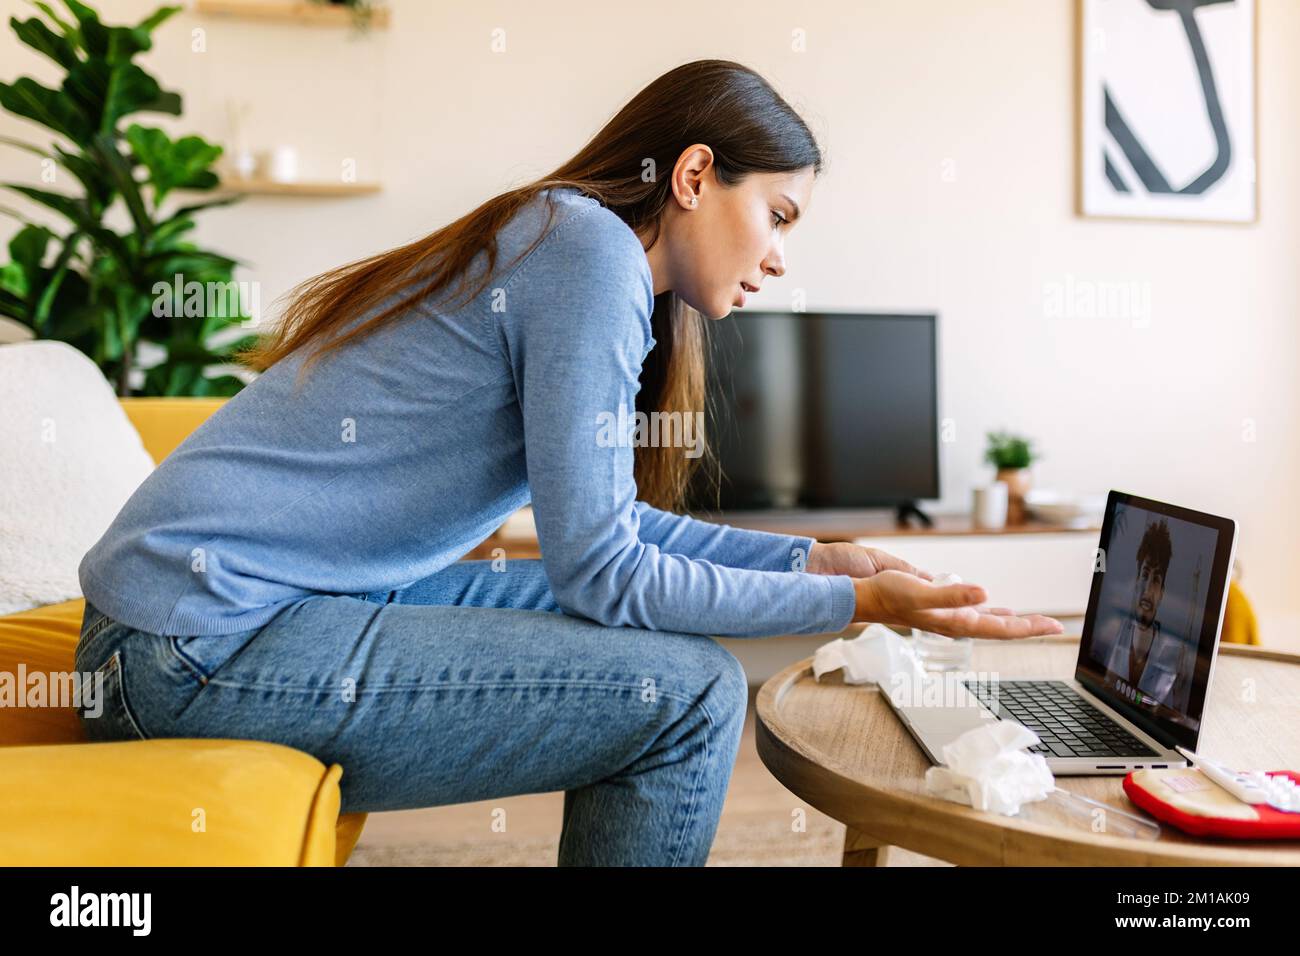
(406, 448)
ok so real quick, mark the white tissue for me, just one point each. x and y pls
(987, 768)
(878, 655)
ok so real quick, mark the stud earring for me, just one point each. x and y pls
(694, 201)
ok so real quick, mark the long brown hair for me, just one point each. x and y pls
(723, 104)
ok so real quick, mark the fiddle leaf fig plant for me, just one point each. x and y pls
(105, 289)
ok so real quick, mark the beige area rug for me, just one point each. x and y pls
(737, 844)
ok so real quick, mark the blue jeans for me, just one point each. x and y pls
(468, 685)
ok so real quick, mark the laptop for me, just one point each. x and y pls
(1146, 654)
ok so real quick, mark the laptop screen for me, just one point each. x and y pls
(1159, 587)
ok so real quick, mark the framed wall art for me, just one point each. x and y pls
(1167, 109)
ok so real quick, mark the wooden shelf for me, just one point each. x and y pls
(270, 187)
(518, 538)
(847, 524)
(290, 11)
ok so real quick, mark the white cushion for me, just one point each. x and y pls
(69, 460)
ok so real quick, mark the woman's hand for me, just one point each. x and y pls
(953, 610)
(842, 557)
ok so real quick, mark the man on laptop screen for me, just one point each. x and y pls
(1152, 607)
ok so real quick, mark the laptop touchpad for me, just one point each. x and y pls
(947, 720)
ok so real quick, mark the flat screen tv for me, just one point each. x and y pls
(822, 410)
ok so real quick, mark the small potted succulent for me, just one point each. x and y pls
(1012, 455)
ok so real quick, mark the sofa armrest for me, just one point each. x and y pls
(171, 802)
(163, 423)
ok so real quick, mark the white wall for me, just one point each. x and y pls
(901, 92)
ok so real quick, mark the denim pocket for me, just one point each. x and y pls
(106, 714)
(190, 661)
(201, 656)
(94, 625)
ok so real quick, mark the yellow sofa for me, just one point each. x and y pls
(167, 802)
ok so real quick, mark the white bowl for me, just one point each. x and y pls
(1065, 508)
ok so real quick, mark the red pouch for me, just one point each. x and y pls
(1187, 799)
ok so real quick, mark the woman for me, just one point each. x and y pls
(290, 572)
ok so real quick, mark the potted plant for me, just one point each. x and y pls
(100, 287)
(1012, 455)
(362, 11)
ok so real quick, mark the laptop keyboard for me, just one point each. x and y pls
(1066, 724)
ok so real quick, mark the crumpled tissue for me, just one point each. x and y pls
(987, 768)
(879, 655)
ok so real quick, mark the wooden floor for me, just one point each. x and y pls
(759, 827)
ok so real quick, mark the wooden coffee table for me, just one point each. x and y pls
(841, 748)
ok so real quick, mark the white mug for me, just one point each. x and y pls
(244, 163)
(284, 164)
(990, 506)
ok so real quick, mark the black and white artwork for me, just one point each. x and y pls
(1168, 109)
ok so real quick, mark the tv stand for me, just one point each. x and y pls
(907, 509)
